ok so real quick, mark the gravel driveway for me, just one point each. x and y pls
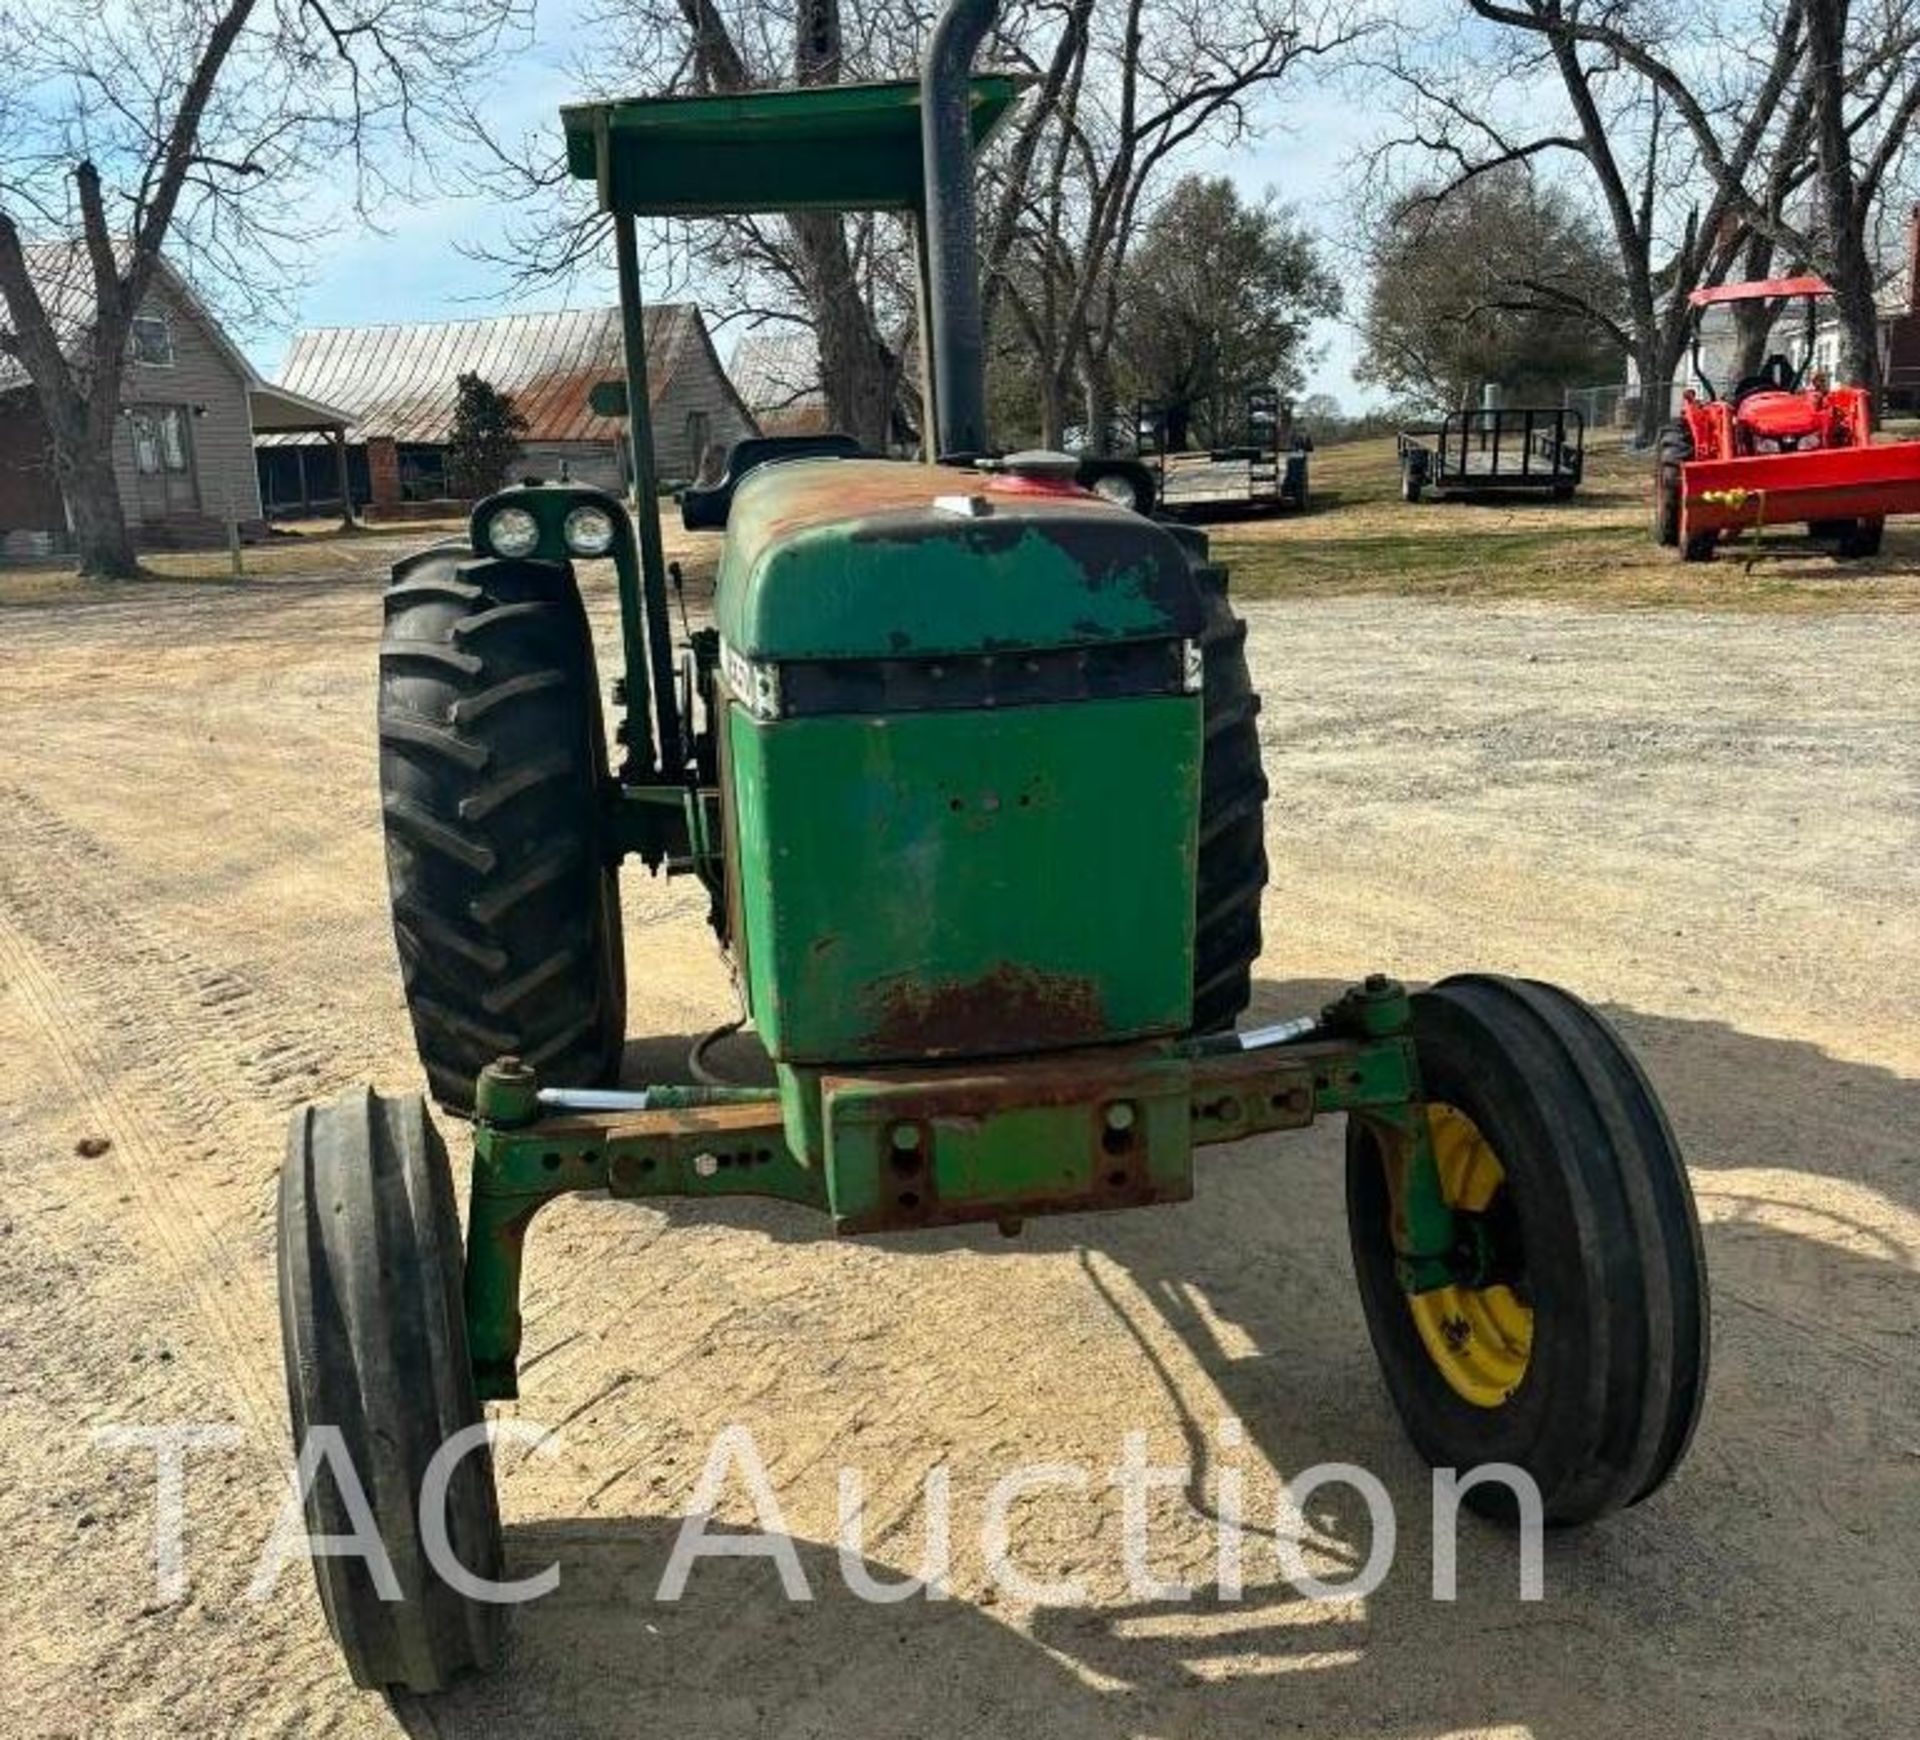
(1709, 824)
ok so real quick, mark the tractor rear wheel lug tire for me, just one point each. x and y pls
(494, 786)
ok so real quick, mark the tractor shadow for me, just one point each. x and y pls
(1729, 1604)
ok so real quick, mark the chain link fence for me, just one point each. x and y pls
(1616, 407)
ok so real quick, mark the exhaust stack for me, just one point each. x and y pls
(953, 252)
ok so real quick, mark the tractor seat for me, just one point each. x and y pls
(704, 507)
(1778, 416)
(1777, 374)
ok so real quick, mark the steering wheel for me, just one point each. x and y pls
(1777, 375)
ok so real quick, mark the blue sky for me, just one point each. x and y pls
(412, 269)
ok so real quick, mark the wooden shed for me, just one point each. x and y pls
(398, 384)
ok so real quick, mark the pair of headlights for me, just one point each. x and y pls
(513, 532)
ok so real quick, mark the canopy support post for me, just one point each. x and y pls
(648, 648)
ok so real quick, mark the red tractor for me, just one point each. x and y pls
(1782, 448)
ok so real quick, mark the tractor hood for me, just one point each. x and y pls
(1779, 415)
(866, 559)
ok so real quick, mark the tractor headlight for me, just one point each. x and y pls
(512, 532)
(588, 530)
(1765, 444)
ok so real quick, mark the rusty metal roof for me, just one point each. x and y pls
(778, 372)
(399, 381)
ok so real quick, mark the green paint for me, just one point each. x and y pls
(847, 558)
(904, 883)
(977, 1161)
(822, 147)
(993, 1142)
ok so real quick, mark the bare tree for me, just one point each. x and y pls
(1683, 174)
(1834, 89)
(1131, 89)
(846, 279)
(220, 135)
(1122, 89)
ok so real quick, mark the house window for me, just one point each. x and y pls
(159, 439)
(150, 341)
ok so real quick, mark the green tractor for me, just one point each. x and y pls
(969, 768)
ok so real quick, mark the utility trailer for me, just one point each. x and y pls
(1491, 451)
(1265, 471)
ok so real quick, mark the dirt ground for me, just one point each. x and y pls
(1707, 822)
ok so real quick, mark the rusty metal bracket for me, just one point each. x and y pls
(894, 1149)
(687, 1142)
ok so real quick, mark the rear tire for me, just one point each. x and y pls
(493, 780)
(1233, 796)
(1597, 1238)
(375, 1338)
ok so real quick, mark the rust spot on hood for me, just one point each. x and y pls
(1011, 1007)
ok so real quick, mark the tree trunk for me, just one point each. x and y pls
(86, 476)
(1053, 409)
(858, 373)
(1842, 209)
(1859, 318)
(1657, 362)
(1753, 321)
(1099, 397)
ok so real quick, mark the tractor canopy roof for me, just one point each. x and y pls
(852, 147)
(1761, 290)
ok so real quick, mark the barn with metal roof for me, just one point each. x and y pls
(399, 384)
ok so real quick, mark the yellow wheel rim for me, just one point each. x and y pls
(1479, 1337)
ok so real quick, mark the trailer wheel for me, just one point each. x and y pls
(1125, 483)
(493, 779)
(1233, 797)
(1861, 540)
(1410, 484)
(1582, 1356)
(375, 1338)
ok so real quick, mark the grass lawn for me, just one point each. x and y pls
(1360, 537)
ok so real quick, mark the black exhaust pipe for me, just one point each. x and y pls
(959, 349)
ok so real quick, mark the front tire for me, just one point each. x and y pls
(1862, 540)
(1583, 1359)
(1673, 449)
(375, 1338)
(493, 782)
